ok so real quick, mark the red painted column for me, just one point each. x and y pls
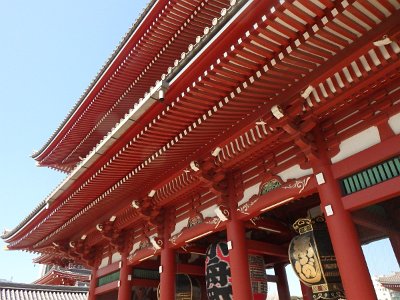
(239, 260)
(93, 284)
(282, 284)
(125, 285)
(395, 241)
(306, 291)
(167, 280)
(342, 231)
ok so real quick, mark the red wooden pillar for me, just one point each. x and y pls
(342, 231)
(93, 284)
(282, 284)
(395, 241)
(125, 285)
(168, 270)
(306, 291)
(239, 260)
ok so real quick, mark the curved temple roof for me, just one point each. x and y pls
(57, 276)
(109, 61)
(161, 33)
(391, 282)
(237, 78)
(121, 127)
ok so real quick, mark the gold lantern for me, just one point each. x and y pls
(312, 258)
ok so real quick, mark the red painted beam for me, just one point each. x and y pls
(367, 158)
(187, 235)
(236, 29)
(345, 57)
(108, 269)
(106, 288)
(372, 195)
(269, 225)
(272, 278)
(193, 249)
(288, 192)
(145, 282)
(142, 255)
(334, 64)
(148, 264)
(256, 247)
(374, 222)
(190, 269)
(271, 261)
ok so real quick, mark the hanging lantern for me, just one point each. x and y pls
(218, 274)
(258, 277)
(187, 288)
(313, 260)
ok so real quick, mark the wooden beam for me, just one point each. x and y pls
(145, 282)
(372, 195)
(272, 278)
(270, 225)
(148, 264)
(193, 249)
(288, 192)
(108, 269)
(366, 158)
(107, 288)
(256, 247)
(190, 269)
(374, 222)
(271, 261)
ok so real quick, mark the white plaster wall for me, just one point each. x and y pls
(209, 211)
(357, 143)
(104, 262)
(294, 172)
(394, 123)
(134, 247)
(179, 226)
(115, 257)
(250, 191)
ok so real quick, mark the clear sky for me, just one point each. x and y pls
(49, 53)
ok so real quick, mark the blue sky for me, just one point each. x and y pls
(49, 53)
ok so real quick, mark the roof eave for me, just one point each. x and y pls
(38, 155)
(134, 114)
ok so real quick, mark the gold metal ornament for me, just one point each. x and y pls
(312, 258)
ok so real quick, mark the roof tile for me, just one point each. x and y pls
(20, 291)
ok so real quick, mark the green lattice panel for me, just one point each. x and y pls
(108, 278)
(146, 274)
(371, 176)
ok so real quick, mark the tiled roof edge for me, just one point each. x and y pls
(209, 33)
(98, 76)
(42, 287)
(36, 210)
(174, 71)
